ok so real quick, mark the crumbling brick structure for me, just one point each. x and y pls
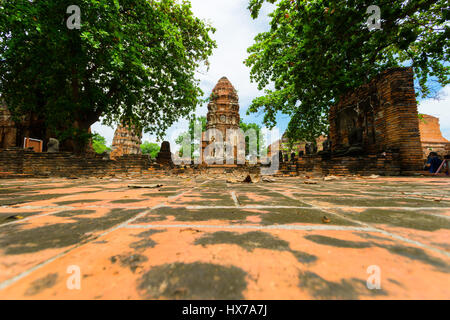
(164, 155)
(383, 114)
(223, 110)
(17, 161)
(8, 130)
(431, 136)
(127, 140)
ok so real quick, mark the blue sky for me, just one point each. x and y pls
(235, 33)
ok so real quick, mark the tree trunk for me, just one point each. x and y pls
(79, 145)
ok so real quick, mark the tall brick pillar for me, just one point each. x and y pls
(398, 102)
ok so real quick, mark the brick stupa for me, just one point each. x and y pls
(223, 110)
(127, 140)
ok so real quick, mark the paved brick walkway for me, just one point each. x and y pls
(209, 239)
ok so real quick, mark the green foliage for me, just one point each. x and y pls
(316, 51)
(259, 139)
(190, 134)
(150, 148)
(132, 61)
(99, 143)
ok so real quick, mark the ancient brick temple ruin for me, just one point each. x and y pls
(8, 130)
(288, 147)
(223, 109)
(26, 130)
(378, 117)
(223, 115)
(431, 136)
(374, 129)
(127, 140)
(165, 155)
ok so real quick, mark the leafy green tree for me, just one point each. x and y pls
(150, 148)
(190, 134)
(131, 60)
(99, 143)
(316, 51)
(259, 139)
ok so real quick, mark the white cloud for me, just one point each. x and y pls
(105, 131)
(439, 108)
(235, 31)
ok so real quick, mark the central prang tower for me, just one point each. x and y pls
(223, 114)
(223, 109)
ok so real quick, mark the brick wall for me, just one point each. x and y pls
(387, 164)
(386, 110)
(384, 165)
(18, 161)
(11, 160)
(65, 164)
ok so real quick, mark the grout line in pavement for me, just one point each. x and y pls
(392, 235)
(235, 199)
(222, 207)
(363, 227)
(16, 278)
(273, 227)
(313, 207)
(31, 217)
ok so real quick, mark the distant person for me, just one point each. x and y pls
(445, 167)
(433, 162)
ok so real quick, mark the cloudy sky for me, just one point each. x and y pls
(235, 33)
(439, 108)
